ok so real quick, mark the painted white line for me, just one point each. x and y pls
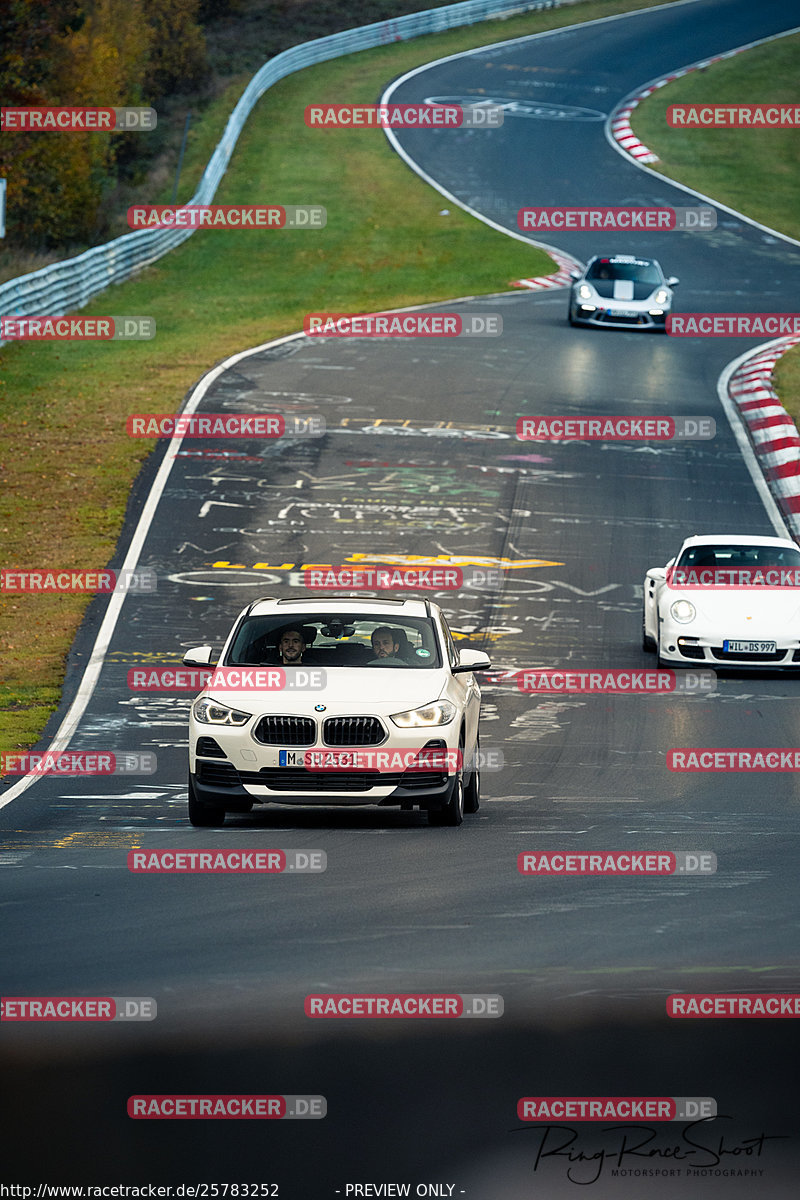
(555, 251)
(91, 674)
(621, 111)
(736, 422)
(68, 726)
(765, 410)
(632, 99)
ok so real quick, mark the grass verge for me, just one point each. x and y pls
(753, 171)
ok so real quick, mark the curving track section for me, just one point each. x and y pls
(420, 458)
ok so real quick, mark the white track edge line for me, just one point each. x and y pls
(737, 424)
(674, 182)
(97, 658)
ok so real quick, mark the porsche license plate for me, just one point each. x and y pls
(623, 312)
(749, 647)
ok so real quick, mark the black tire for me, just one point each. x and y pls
(648, 643)
(452, 812)
(472, 792)
(242, 807)
(203, 816)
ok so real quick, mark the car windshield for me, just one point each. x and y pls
(639, 270)
(352, 639)
(739, 556)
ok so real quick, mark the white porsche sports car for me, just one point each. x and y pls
(348, 700)
(622, 290)
(725, 600)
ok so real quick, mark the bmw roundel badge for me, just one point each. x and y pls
(319, 708)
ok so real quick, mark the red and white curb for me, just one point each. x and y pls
(562, 277)
(620, 120)
(772, 431)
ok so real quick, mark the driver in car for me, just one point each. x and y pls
(385, 645)
(291, 646)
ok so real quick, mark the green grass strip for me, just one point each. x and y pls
(754, 171)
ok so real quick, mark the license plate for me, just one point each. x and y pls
(623, 312)
(749, 647)
(316, 759)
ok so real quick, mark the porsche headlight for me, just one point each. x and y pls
(683, 611)
(211, 712)
(585, 292)
(441, 712)
(661, 296)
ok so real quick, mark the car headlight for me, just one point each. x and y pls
(585, 292)
(211, 712)
(683, 611)
(661, 296)
(441, 712)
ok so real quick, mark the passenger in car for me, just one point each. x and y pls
(291, 647)
(405, 649)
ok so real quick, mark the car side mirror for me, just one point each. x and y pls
(657, 573)
(574, 274)
(199, 656)
(472, 660)
(673, 281)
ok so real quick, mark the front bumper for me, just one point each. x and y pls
(683, 649)
(220, 785)
(631, 315)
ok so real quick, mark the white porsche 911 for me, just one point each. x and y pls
(725, 600)
(622, 290)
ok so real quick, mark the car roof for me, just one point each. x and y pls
(736, 539)
(381, 606)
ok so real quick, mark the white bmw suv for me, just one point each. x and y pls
(350, 700)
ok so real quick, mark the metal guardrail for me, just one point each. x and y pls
(65, 286)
